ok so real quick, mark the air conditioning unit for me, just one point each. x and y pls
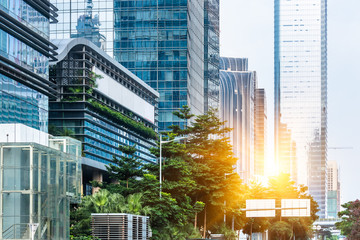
(120, 226)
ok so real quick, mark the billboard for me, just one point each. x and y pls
(260, 208)
(295, 208)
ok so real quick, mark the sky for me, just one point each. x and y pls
(246, 30)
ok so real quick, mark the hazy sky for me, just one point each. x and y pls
(246, 30)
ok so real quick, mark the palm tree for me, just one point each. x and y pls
(134, 205)
(100, 200)
(105, 202)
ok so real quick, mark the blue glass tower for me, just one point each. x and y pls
(172, 45)
(25, 51)
(162, 42)
(301, 93)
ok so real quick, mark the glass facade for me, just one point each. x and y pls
(90, 19)
(260, 132)
(237, 108)
(21, 104)
(27, 15)
(100, 132)
(211, 51)
(301, 92)
(24, 57)
(333, 197)
(37, 184)
(156, 40)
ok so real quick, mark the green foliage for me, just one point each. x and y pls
(82, 238)
(197, 179)
(228, 233)
(280, 230)
(78, 91)
(56, 131)
(126, 169)
(121, 119)
(350, 220)
(104, 202)
(282, 187)
(211, 160)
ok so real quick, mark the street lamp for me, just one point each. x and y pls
(160, 159)
(317, 228)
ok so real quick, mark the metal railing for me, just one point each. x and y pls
(17, 231)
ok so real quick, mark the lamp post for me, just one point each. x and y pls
(317, 228)
(160, 159)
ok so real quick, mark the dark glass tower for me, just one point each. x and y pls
(172, 45)
(25, 51)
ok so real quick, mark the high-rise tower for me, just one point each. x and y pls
(25, 51)
(301, 92)
(237, 109)
(171, 45)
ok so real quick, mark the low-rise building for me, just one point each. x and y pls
(40, 176)
(103, 105)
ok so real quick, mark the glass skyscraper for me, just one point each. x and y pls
(237, 108)
(301, 93)
(172, 45)
(25, 51)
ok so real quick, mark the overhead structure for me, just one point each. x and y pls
(267, 207)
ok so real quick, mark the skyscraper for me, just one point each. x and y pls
(333, 206)
(301, 90)
(211, 75)
(25, 51)
(37, 171)
(237, 108)
(171, 45)
(260, 132)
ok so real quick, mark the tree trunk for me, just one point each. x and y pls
(233, 223)
(127, 183)
(204, 235)
(251, 231)
(196, 214)
(195, 224)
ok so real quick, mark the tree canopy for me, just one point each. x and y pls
(200, 190)
(350, 220)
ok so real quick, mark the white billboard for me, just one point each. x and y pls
(260, 208)
(295, 208)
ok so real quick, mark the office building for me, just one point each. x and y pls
(333, 197)
(103, 105)
(300, 62)
(40, 174)
(25, 51)
(40, 178)
(260, 139)
(287, 153)
(211, 51)
(171, 45)
(237, 108)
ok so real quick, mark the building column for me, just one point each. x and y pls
(97, 176)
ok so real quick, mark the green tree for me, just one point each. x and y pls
(226, 231)
(104, 202)
(212, 158)
(280, 230)
(126, 168)
(254, 225)
(282, 187)
(350, 220)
